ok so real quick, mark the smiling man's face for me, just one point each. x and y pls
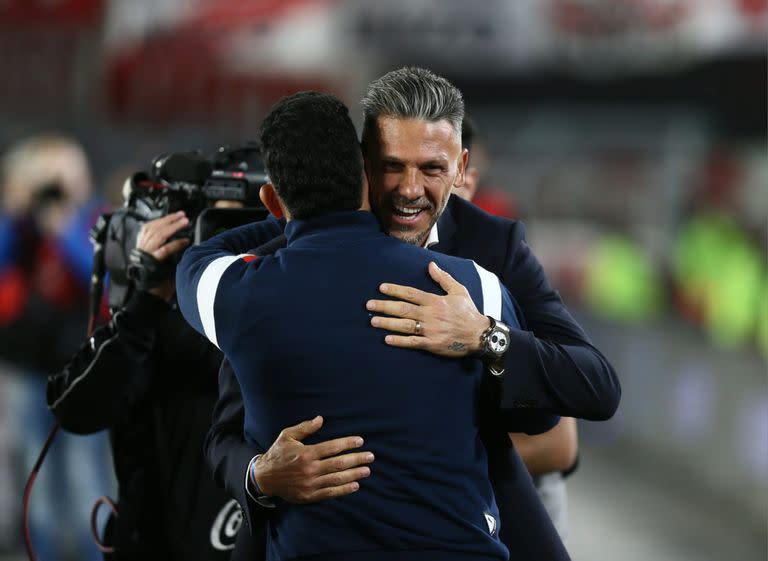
(412, 165)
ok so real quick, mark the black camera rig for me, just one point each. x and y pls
(187, 181)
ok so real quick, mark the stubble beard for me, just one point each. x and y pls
(414, 238)
(403, 233)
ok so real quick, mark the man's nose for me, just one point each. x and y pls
(411, 185)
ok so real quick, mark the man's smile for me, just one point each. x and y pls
(409, 213)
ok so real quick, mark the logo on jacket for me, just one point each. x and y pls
(491, 521)
(225, 526)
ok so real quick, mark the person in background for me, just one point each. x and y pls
(491, 200)
(551, 456)
(46, 210)
(150, 380)
(476, 162)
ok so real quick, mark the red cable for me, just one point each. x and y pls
(103, 500)
(28, 490)
(33, 476)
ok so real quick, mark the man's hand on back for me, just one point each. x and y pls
(300, 473)
(448, 325)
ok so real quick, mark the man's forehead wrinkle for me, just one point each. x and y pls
(434, 149)
(425, 155)
(431, 141)
(416, 116)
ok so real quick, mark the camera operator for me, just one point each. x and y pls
(151, 380)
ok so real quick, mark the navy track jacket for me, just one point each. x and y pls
(295, 328)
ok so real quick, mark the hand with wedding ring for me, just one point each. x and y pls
(448, 325)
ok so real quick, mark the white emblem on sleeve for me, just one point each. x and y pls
(225, 527)
(206, 293)
(491, 292)
(491, 521)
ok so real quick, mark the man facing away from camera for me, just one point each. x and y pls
(297, 333)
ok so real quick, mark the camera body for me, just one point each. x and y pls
(237, 175)
(186, 181)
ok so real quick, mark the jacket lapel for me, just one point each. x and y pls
(446, 230)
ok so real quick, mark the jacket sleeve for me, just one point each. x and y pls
(218, 262)
(569, 376)
(227, 451)
(495, 300)
(111, 371)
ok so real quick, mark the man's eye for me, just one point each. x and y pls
(392, 167)
(434, 170)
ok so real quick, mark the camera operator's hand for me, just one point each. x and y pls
(153, 239)
(307, 473)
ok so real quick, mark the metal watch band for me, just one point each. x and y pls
(484, 350)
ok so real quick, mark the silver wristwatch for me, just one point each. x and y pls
(495, 342)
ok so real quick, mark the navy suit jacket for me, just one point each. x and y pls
(572, 378)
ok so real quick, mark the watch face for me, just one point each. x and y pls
(498, 342)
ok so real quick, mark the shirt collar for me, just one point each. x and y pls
(433, 238)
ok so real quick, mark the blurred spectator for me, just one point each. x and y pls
(477, 154)
(620, 281)
(762, 319)
(46, 210)
(719, 272)
(492, 200)
(551, 456)
(45, 255)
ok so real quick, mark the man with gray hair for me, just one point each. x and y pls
(412, 104)
(406, 103)
(409, 209)
(413, 158)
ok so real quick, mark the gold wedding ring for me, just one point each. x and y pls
(418, 327)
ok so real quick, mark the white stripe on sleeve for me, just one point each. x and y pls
(491, 292)
(206, 293)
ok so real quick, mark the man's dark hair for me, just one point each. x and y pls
(312, 155)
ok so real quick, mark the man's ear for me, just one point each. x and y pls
(463, 159)
(269, 197)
